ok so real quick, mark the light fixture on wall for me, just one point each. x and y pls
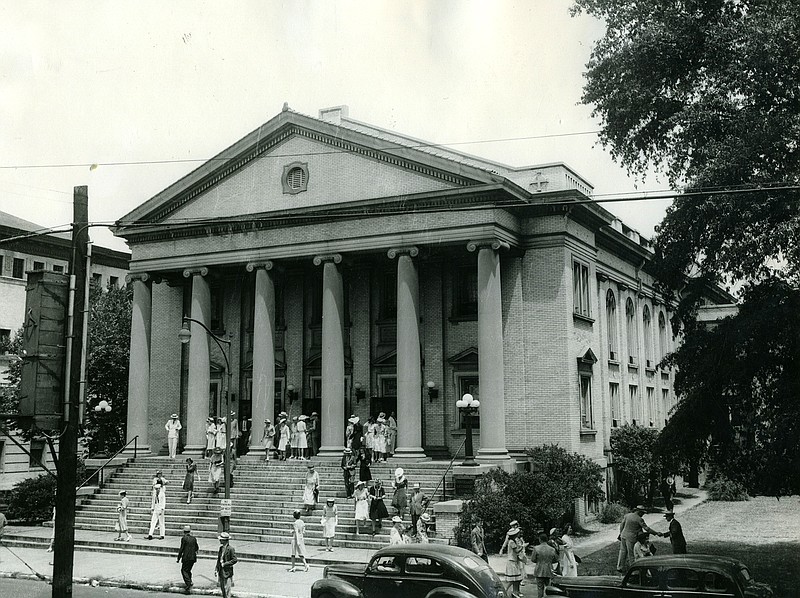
(433, 392)
(291, 393)
(360, 392)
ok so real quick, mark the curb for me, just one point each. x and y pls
(168, 588)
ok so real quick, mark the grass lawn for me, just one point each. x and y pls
(763, 533)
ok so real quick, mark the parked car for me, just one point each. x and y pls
(412, 571)
(673, 575)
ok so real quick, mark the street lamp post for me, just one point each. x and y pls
(100, 409)
(185, 335)
(468, 405)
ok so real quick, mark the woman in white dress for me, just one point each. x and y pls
(361, 500)
(302, 438)
(329, 520)
(311, 489)
(219, 440)
(283, 441)
(566, 555)
(380, 440)
(369, 438)
(211, 435)
(298, 542)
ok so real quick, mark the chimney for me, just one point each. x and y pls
(334, 114)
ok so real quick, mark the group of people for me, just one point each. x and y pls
(377, 437)
(293, 438)
(634, 537)
(226, 559)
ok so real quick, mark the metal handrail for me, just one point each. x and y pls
(441, 481)
(134, 440)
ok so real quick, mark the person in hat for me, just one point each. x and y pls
(268, 438)
(293, 437)
(566, 553)
(220, 439)
(329, 520)
(283, 442)
(400, 498)
(173, 426)
(314, 433)
(122, 518)
(477, 539)
(423, 522)
(298, 541)
(311, 489)
(629, 529)
(377, 508)
(364, 471)
(226, 559)
(675, 534)
(368, 445)
(643, 546)
(361, 501)
(302, 437)
(391, 437)
(216, 468)
(544, 557)
(235, 434)
(417, 505)
(211, 435)
(188, 479)
(348, 465)
(379, 440)
(512, 525)
(515, 564)
(358, 433)
(396, 533)
(187, 556)
(158, 504)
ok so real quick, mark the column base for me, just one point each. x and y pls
(326, 452)
(192, 450)
(414, 453)
(142, 450)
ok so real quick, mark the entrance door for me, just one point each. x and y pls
(215, 398)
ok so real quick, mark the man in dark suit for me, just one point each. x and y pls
(226, 559)
(188, 554)
(675, 534)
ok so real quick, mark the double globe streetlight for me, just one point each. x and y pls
(101, 409)
(468, 406)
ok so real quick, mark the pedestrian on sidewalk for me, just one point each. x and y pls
(675, 534)
(122, 518)
(361, 500)
(629, 529)
(53, 529)
(348, 465)
(158, 504)
(216, 469)
(400, 498)
(226, 559)
(188, 554)
(329, 520)
(566, 553)
(418, 504)
(666, 489)
(188, 479)
(515, 564)
(298, 542)
(268, 438)
(422, 528)
(477, 539)
(377, 508)
(173, 426)
(396, 533)
(544, 557)
(211, 435)
(311, 490)
(302, 437)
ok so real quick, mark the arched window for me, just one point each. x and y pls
(632, 331)
(611, 319)
(648, 337)
(662, 335)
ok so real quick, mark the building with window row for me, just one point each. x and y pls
(355, 270)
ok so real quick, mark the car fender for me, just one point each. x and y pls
(449, 593)
(338, 588)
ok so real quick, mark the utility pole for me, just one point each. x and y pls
(64, 545)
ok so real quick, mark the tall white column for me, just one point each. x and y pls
(199, 365)
(263, 353)
(139, 365)
(332, 411)
(409, 359)
(491, 369)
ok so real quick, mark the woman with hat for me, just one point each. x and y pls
(211, 435)
(122, 518)
(400, 498)
(188, 479)
(302, 438)
(369, 438)
(329, 520)
(283, 443)
(377, 508)
(358, 433)
(515, 565)
(220, 440)
(311, 490)
(268, 438)
(361, 500)
(566, 554)
(173, 426)
(396, 533)
(216, 468)
(364, 472)
(348, 465)
(422, 528)
(379, 440)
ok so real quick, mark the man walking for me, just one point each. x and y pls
(419, 502)
(476, 539)
(629, 529)
(675, 534)
(158, 504)
(226, 559)
(544, 556)
(315, 433)
(188, 554)
(173, 426)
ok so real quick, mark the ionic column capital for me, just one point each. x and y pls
(201, 270)
(411, 251)
(336, 258)
(475, 245)
(253, 266)
(137, 276)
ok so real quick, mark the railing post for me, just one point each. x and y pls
(135, 445)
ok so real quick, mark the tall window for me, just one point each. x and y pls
(587, 415)
(665, 403)
(611, 319)
(636, 408)
(616, 408)
(662, 335)
(580, 289)
(217, 308)
(632, 332)
(465, 292)
(18, 270)
(388, 295)
(648, 337)
(651, 405)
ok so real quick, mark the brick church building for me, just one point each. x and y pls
(356, 270)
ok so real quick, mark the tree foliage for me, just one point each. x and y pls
(9, 394)
(636, 463)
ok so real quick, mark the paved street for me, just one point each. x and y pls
(21, 588)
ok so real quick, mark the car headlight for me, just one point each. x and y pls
(325, 572)
(501, 593)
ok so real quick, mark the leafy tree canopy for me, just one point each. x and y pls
(634, 456)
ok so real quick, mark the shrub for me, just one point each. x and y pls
(725, 489)
(612, 512)
(32, 499)
(635, 461)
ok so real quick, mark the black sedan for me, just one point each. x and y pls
(668, 576)
(412, 571)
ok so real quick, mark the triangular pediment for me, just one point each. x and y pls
(341, 165)
(387, 359)
(465, 359)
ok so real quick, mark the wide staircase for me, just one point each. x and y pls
(264, 496)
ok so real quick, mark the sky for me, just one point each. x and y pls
(148, 90)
